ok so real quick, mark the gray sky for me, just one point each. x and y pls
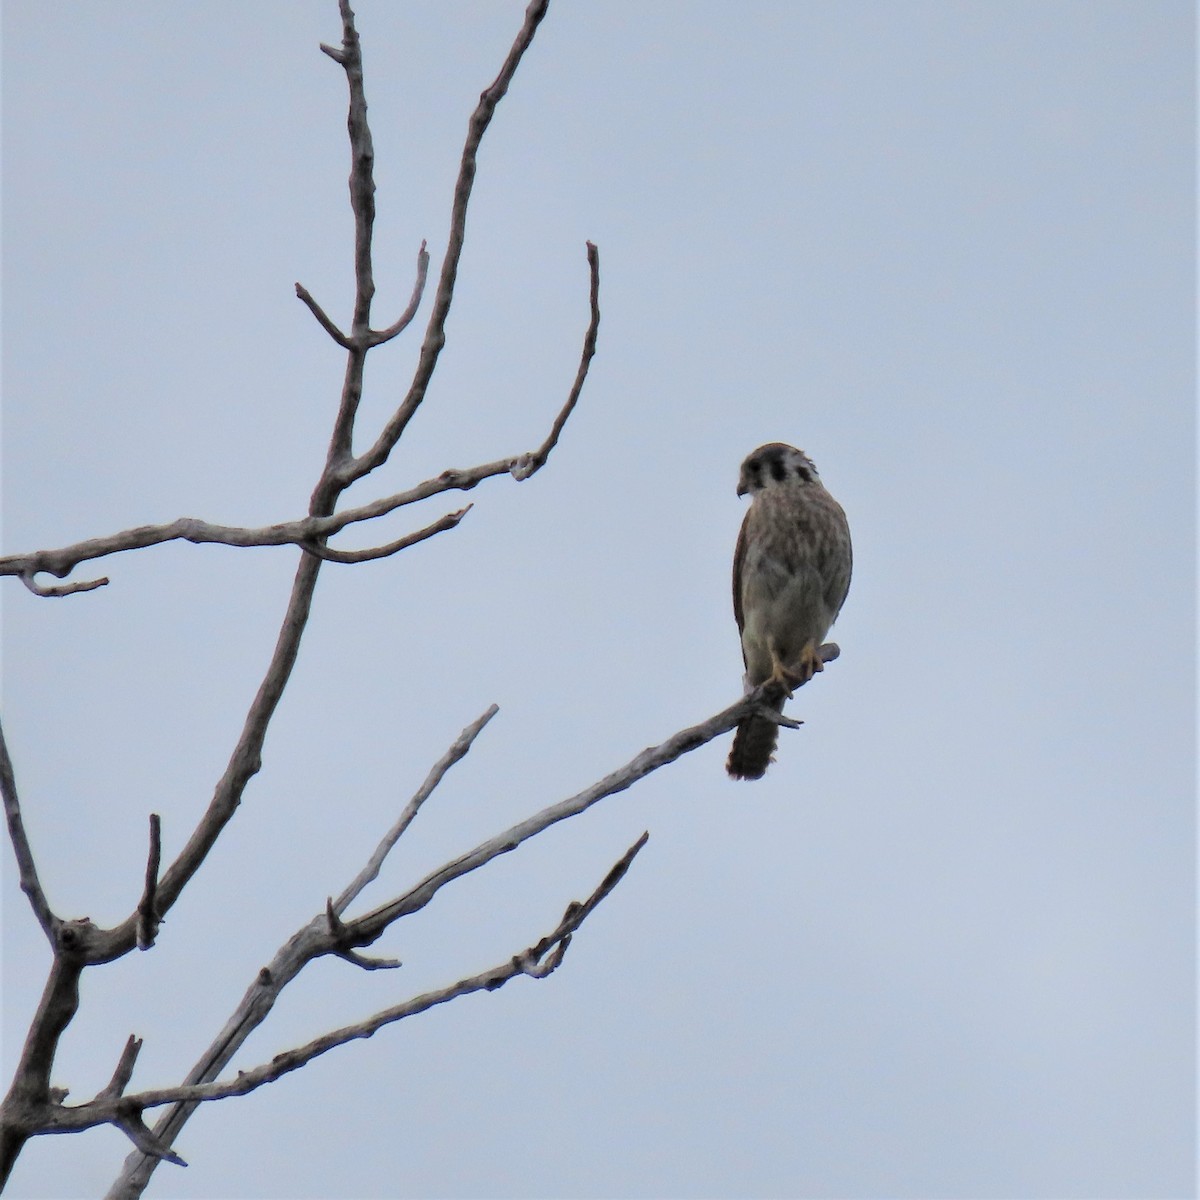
(945, 948)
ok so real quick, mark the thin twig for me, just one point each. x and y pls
(362, 205)
(26, 867)
(362, 174)
(538, 459)
(449, 521)
(189, 529)
(61, 589)
(378, 337)
(323, 318)
(367, 963)
(128, 1120)
(147, 923)
(437, 773)
(301, 533)
(124, 1070)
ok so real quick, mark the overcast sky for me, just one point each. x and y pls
(945, 948)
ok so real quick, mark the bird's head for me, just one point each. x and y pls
(774, 464)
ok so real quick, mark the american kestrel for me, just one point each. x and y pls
(791, 573)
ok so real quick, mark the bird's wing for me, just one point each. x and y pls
(739, 561)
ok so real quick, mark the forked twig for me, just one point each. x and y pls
(435, 332)
(458, 750)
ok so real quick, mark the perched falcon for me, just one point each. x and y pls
(791, 572)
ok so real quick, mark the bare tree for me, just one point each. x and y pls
(34, 1104)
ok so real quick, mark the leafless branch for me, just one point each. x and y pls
(32, 1105)
(537, 460)
(449, 521)
(378, 337)
(26, 867)
(128, 1118)
(367, 963)
(314, 529)
(340, 470)
(246, 760)
(147, 923)
(301, 533)
(362, 174)
(435, 332)
(368, 927)
(340, 935)
(437, 773)
(61, 589)
(124, 1071)
(322, 317)
(537, 961)
(362, 205)
(328, 933)
(828, 652)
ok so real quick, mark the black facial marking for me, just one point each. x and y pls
(778, 470)
(804, 473)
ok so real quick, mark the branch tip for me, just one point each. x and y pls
(449, 521)
(61, 589)
(323, 318)
(124, 1070)
(130, 1122)
(414, 303)
(27, 871)
(367, 963)
(458, 750)
(148, 920)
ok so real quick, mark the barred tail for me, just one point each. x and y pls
(753, 745)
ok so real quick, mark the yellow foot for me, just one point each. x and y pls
(782, 680)
(810, 662)
(798, 673)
